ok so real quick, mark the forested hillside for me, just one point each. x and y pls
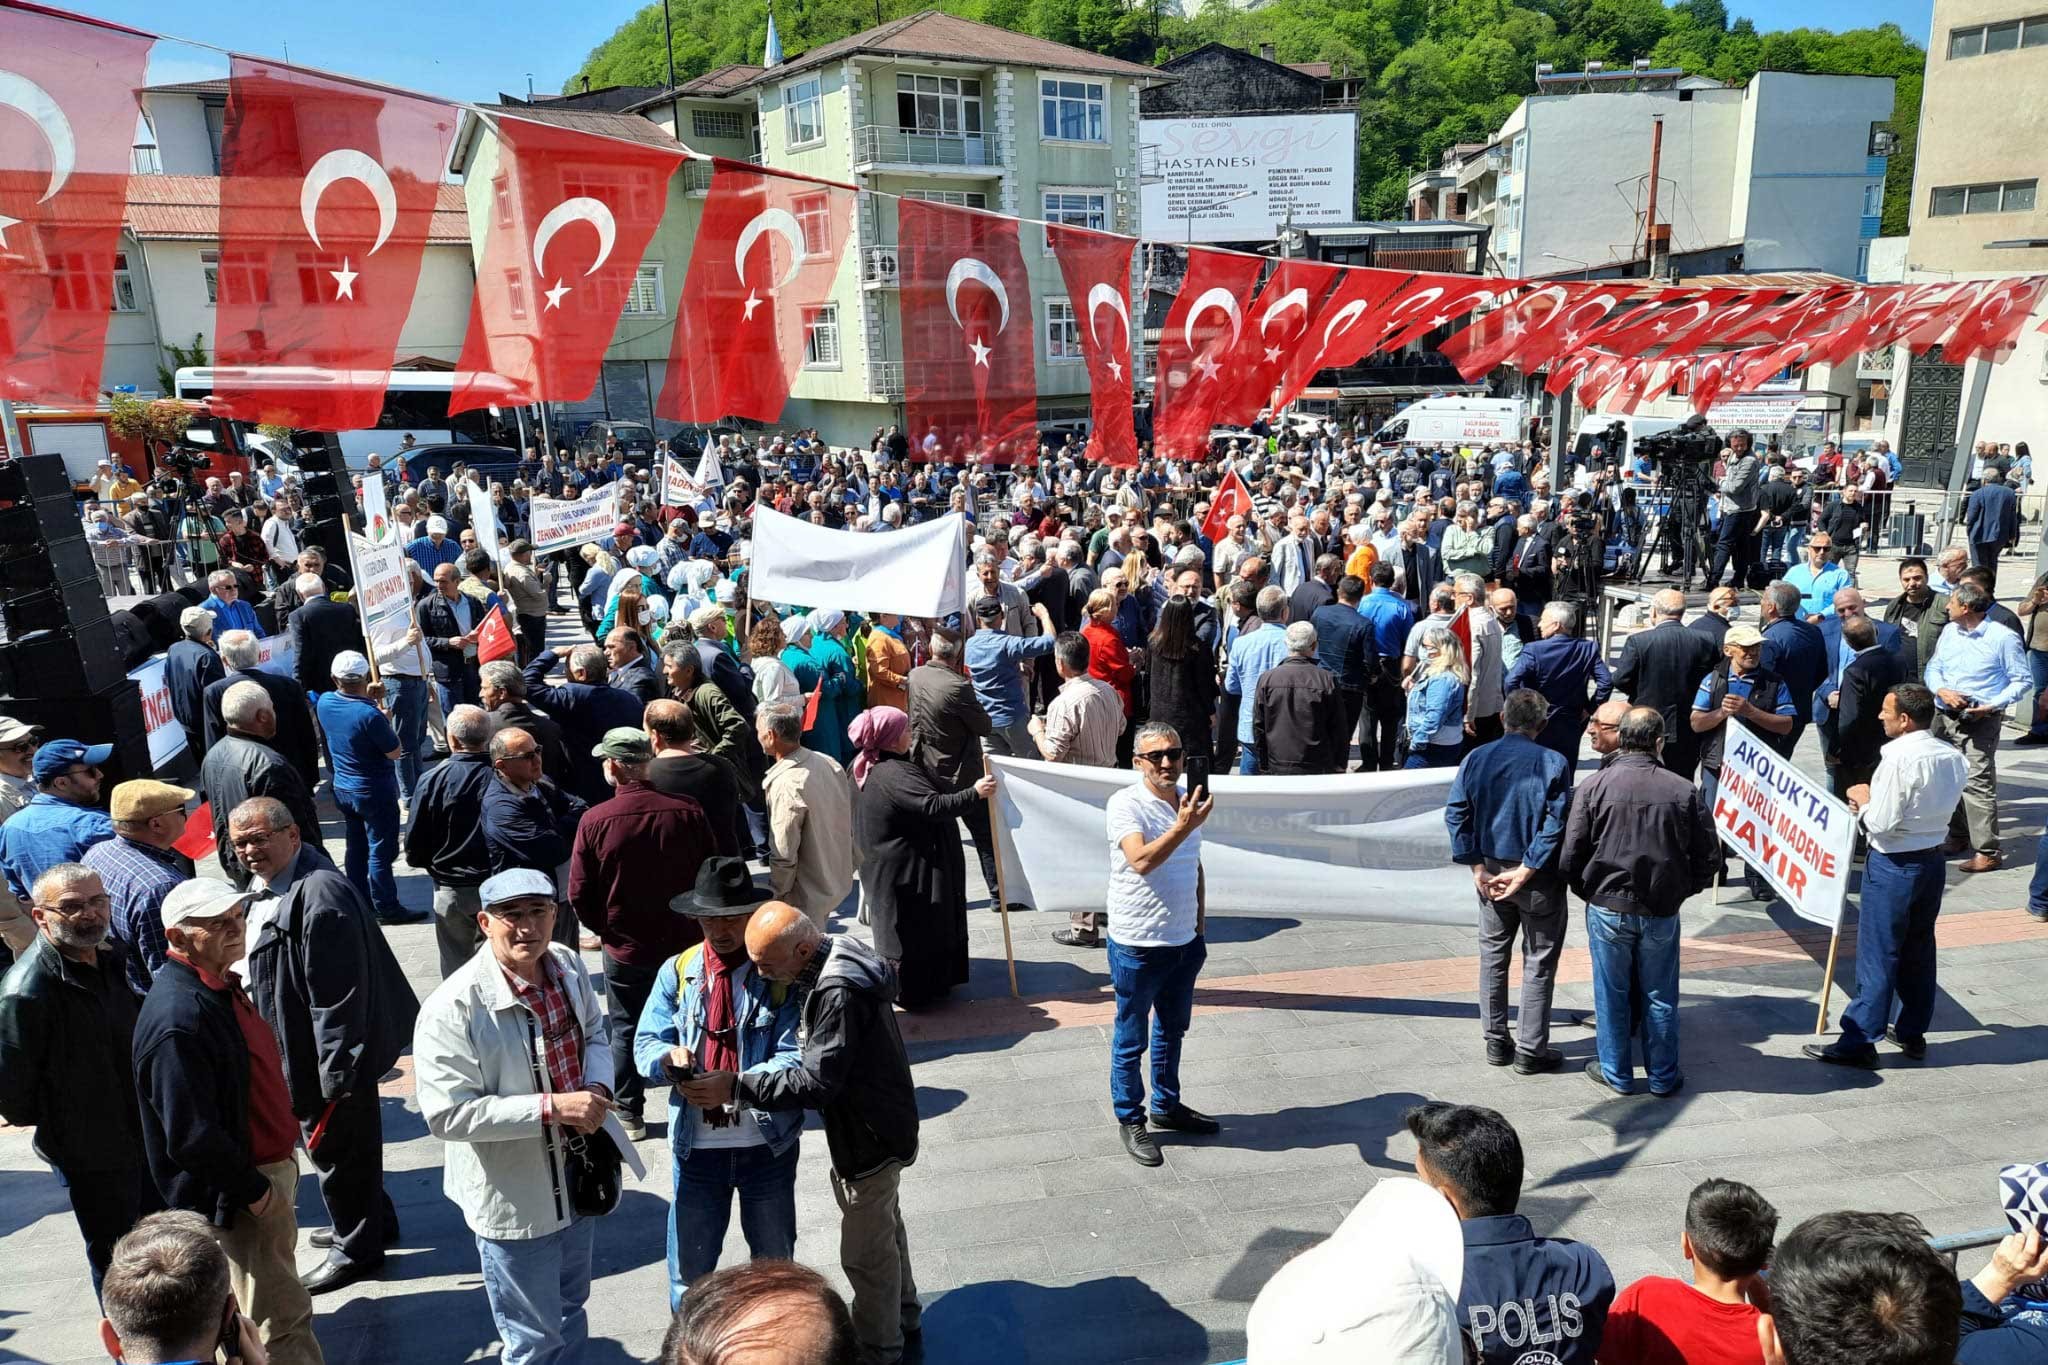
(1438, 71)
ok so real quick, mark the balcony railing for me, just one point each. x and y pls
(876, 145)
(885, 378)
(697, 177)
(878, 267)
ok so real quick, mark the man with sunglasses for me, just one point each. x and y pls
(1157, 907)
(62, 820)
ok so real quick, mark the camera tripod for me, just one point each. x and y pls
(1682, 529)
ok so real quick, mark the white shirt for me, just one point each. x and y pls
(1154, 909)
(1918, 782)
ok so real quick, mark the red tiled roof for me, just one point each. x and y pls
(1320, 70)
(947, 37)
(213, 87)
(631, 127)
(187, 208)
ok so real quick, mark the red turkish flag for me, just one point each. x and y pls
(68, 104)
(1994, 320)
(1671, 313)
(1427, 302)
(1803, 315)
(1566, 370)
(811, 705)
(1338, 334)
(766, 253)
(325, 208)
(494, 639)
(1192, 376)
(1925, 315)
(1709, 374)
(1602, 373)
(198, 840)
(1529, 331)
(1232, 499)
(1723, 323)
(1097, 270)
(968, 356)
(1873, 307)
(1280, 318)
(572, 216)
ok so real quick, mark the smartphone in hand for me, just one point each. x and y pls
(1198, 775)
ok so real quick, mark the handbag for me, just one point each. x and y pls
(593, 1169)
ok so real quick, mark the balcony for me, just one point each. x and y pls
(885, 378)
(878, 267)
(877, 147)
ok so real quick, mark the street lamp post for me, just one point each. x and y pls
(1586, 267)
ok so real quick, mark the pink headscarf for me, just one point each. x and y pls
(876, 731)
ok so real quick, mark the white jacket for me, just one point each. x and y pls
(481, 1068)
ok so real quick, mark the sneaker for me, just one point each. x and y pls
(1181, 1119)
(1535, 1063)
(635, 1126)
(1138, 1142)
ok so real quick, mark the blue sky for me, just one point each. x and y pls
(470, 51)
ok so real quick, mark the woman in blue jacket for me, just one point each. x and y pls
(845, 695)
(1436, 702)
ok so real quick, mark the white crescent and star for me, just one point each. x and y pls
(346, 163)
(1108, 296)
(580, 209)
(975, 269)
(36, 104)
(1343, 320)
(1219, 298)
(783, 224)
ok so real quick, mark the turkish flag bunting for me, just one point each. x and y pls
(1924, 315)
(1801, 315)
(1566, 369)
(1723, 323)
(1233, 499)
(571, 217)
(1528, 331)
(1280, 319)
(1427, 302)
(1994, 320)
(1709, 375)
(766, 253)
(1201, 334)
(1647, 328)
(67, 124)
(1337, 334)
(1602, 373)
(968, 355)
(494, 639)
(326, 203)
(1096, 268)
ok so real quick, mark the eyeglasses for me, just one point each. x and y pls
(71, 909)
(252, 838)
(1161, 757)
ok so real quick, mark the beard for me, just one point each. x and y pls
(65, 936)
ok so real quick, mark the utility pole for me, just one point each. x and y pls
(668, 50)
(1650, 218)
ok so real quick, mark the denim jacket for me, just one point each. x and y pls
(768, 1016)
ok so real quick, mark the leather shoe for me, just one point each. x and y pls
(336, 1273)
(404, 916)
(1536, 1063)
(1181, 1119)
(1597, 1074)
(1499, 1054)
(1072, 938)
(1834, 1057)
(1983, 862)
(1138, 1142)
(1913, 1048)
(635, 1126)
(323, 1238)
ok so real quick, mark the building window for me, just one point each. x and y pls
(938, 106)
(501, 199)
(1863, 261)
(216, 113)
(74, 284)
(821, 337)
(725, 123)
(1873, 200)
(1072, 111)
(515, 294)
(2012, 196)
(959, 199)
(1076, 208)
(1979, 40)
(803, 109)
(209, 265)
(646, 300)
(242, 281)
(1062, 332)
(814, 216)
(124, 285)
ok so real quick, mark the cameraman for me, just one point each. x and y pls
(1735, 546)
(1576, 559)
(166, 1297)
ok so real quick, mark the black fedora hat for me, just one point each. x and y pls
(724, 887)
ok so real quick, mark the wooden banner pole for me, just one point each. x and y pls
(1827, 981)
(995, 852)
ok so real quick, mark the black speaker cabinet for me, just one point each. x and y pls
(110, 716)
(30, 565)
(69, 661)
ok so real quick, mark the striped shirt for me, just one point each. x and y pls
(1083, 722)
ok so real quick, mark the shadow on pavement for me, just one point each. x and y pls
(1010, 1322)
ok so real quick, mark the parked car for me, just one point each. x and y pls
(634, 438)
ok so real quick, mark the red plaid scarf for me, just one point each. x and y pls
(561, 1033)
(721, 1050)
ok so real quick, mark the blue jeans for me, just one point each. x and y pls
(537, 1288)
(2037, 664)
(408, 699)
(1247, 761)
(2037, 890)
(1434, 756)
(1635, 957)
(1894, 948)
(1150, 982)
(705, 1183)
(370, 826)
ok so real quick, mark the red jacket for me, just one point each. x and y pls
(633, 853)
(1110, 661)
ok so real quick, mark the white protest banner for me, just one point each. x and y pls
(1785, 825)
(918, 571)
(710, 473)
(1350, 847)
(376, 513)
(483, 519)
(559, 525)
(383, 593)
(274, 654)
(166, 736)
(678, 489)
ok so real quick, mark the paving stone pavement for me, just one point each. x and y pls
(1035, 1239)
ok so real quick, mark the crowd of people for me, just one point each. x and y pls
(175, 1038)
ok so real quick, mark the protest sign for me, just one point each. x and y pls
(166, 736)
(678, 489)
(383, 594)
(559, 525)
(376, 514)
(483, 519)
(917, 571)
(1785, 825)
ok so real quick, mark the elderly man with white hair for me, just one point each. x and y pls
(364, 749)
(245, 762)
(190, 667)
(241, 653)
(1298, 712)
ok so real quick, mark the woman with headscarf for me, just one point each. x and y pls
(913, 877)
(796, 657)
(843, 692)
(772, 679)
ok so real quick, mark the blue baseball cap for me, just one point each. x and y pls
(59, 756)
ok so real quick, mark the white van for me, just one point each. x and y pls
(1458, 421)
(1594, 426)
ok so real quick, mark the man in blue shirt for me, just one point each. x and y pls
(229, 611)
(433, 549)
(1251, 654)
(62, 820)
(1979, 669)
(1506, 815)
(1390, 617)
(995, 667)
(364, 749)
(1563, 668)
(1818, 580)
(1796, 654)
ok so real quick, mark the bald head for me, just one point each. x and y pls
(1849, 603)
(1605, 731)
(1669, 605)
(782, 940)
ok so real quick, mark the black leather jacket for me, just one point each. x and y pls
(66, 1031)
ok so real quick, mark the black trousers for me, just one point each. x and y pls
(107, 1204)
(1354, 707)
(975, 817)
(1388, 706)
(533, 637)
(626, 988)
(350, 1163)
(1734, 547)
(1228, 705)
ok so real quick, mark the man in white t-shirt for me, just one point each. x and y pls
(1156, 911)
